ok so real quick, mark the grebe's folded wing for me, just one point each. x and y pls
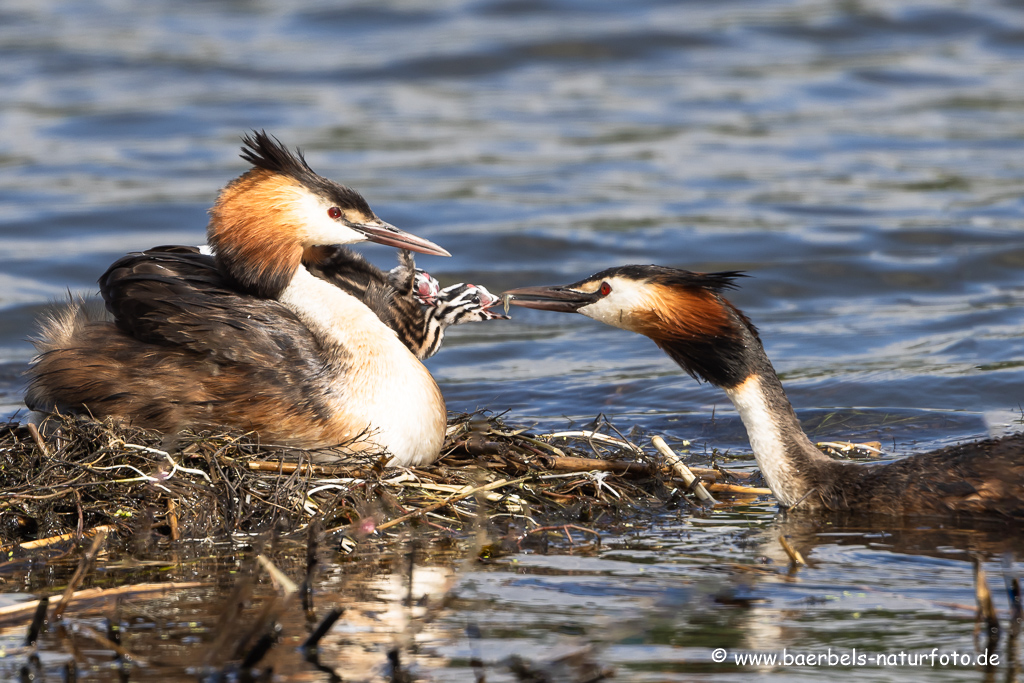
(176, 296)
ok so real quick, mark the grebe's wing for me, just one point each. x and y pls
(176, 296)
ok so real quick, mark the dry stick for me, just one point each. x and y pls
(570, 464)
(795, 558)
(18, 611)
(541, 444)
(111, 645)
(573, 464)
(451, 499)
(597, 436)
(736, 488)
(715, 473)
(281, 467)
(681, 469)
(38, 438)
(83, 568)
(54, 540)
(28, 496)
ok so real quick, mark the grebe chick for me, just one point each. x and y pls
(249, 339)
(407, 299)
(685, 314)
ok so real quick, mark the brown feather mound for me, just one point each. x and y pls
(186, 352)
(977, 479)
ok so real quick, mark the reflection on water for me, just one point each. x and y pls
(653, 604)
(862, 161)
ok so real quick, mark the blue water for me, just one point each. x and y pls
(863, 162)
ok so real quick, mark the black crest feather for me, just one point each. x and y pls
(265, 151)
(670, 277)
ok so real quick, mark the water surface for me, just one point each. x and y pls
(863, 162)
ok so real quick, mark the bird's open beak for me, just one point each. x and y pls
(487, 301)
(385, 233)
(555, 298)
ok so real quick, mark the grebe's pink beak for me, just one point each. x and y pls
(385, 233)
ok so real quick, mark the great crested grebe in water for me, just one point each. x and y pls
(249, 338)
(687, 317)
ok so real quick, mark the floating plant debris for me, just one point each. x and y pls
(76, 477)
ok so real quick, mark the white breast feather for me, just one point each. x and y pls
(389, 392)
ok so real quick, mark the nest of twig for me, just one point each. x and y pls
(79, 475)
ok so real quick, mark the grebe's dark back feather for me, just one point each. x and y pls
(183, 324)
(176, 296)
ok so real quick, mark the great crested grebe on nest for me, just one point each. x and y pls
(249, 338)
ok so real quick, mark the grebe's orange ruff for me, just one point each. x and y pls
(254, 342)
(687, 317)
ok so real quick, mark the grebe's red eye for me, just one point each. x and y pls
(606, 289)
(334, 212)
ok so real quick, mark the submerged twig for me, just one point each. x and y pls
(37, 622)
(985, 618)
(795, 558)
(83, 568)
(107, 643)
(90, 596)
(322, 628)
(1012, 582)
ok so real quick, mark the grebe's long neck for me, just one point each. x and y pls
(253, 231)
(792, 466)
(728, 353)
